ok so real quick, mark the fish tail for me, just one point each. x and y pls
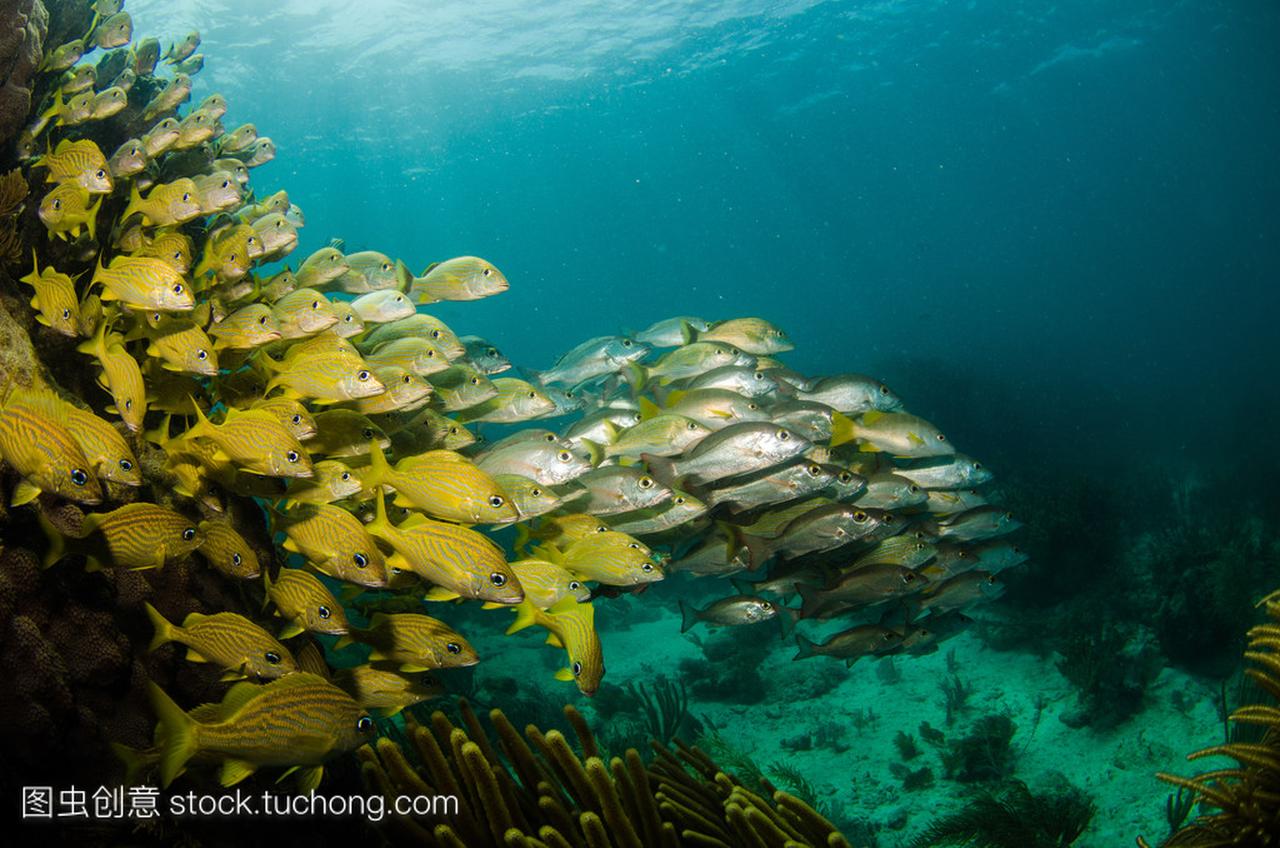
(807, 648)
(743, 587)
(378, 466)
(842, 429)
(786, 621)
(92, 211)
(648, 409)
(637, 375)
(380, 522)
(522, 536)
(688, 616)
(202, 427)
(179, 742)
(688, 334)
(55, 108)
(595, 452)
(164, 630)
(134, 762)
(758, 549)
(810, 600)
(662, 469)
(135, 202)
(96, 346)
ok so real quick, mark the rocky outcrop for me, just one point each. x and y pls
(24, 24)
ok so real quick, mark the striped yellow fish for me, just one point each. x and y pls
(462, 387)
(144, 282)
(369, 271)
(381, 307)
(165, 205)
(335, 543)
(80, 162)
(547, 584)
(247, 328)
(350, 324)
(418, 356)
(299, 721)
(530, 498)
(405, 392)
(303, 601)
(444, 485)
(40, 447)
(611, 558)
(55, 299)
(160, 138)
(906, 550)
(416, 642)
(345, 433)
(132, 537)
(333, 481)
(461, 278)
(228, 254)
(227, 639)
(67, 208)
(295, 417)
(227, 551)
(173, 247)
(278, 235)
(108, 453)
(183, 347)
(322, 268)
(516, 401)
(572, 627)
(418, 326)
(458, 561)
(560, 530)
(388, 692)
(325, 378)
(256, 442)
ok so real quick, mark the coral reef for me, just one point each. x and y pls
(984, 753)
(535, 791)
(1241, 805)
(24, 25)
(1013, 817)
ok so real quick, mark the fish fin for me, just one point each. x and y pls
(673, 397)
(915, 439)
(164, 629)
(526, 615)
(378, 469)
(490, 605)
(234, 771)
(688, 617)
(135, 202)
(743, 587)
(553, 640)
(807, 648)
(440, 593)
(134, 762)
(177, 733)
(388, 712)
(25, 492)
(549, 552)
(842, 429)
(412, 667)
(595, 452)
(637, 375)
(688, 334)
(309, 779)
(810, 600)
(648, 409)
(343, 641)
(522, 536)
(92, 223)
(786, 621)
(57, 542)
(867, 447)
(292, 629)
(872, 416)
(565, 674)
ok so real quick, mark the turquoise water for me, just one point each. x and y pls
(1052, 228)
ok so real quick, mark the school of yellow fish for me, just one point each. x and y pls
(326, 393)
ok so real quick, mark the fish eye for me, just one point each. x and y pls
(272, 657)
(635, 545)
(564, 456)
(475, 381)
(678, 501)
(574, 585)
(79, 477)
(498, 579)
(315, 304)
(888, 518)
(759, 375)
(367, 432)
(908, 576)
(488, 272)
(577, 669)
(1008, 516)
(941, 438)
(292, 456)
(753, 406)
(346, 475)
(226, 183)
(645, 482)
(126, 465)
(551, 437)
(66, 313)
(297, 418)
(648, 566)
(236, 559)
(100, 173)
(128, 404)
(1017, 550)
(347, 318)
(323, 611)
(859, 517)
(626, 342)
(178, 288)
(364, 724)
(360, 560)
(431, 354)
(453, 431)
(57, 203)
(262, 320)
(493, 351)
(496, 501)
(691, 426)
(884, 390)
(386, 266)
(533, 394)
(188, 534)
(783, 435)
(186, 196)
(453, 648)
(202, 354)
(406, 379)
(814, 470)
(845, 477)
(537, 493)
(362, 376)
(435, 334)
(913, 489)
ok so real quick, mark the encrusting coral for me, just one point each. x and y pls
(1243, 802)
(534, 790)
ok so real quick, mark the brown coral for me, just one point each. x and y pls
(536, 791)
(1243, 802)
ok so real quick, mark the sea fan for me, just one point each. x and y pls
(1013, 817)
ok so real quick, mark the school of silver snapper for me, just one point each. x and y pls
(326, 393)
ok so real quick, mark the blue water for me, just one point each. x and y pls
(1072, 203)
